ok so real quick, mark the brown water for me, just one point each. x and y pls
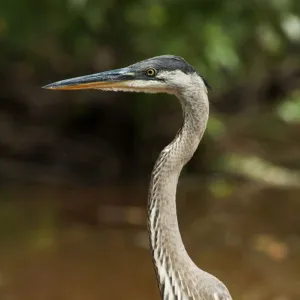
(84, 243)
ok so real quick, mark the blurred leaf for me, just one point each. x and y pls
(289, 110)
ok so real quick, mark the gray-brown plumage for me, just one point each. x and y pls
(177, 275)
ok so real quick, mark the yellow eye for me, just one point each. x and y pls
(150, 72)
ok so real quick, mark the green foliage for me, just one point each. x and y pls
(229, 43)
(289, 110)
(240, 38)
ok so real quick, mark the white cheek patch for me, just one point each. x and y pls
(179, 80)
(176, 78)
(145, 86)
(148, 86)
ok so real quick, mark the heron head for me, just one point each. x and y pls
(160, 74)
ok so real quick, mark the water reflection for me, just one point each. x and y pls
(87, 243)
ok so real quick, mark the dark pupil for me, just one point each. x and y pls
(150, 72)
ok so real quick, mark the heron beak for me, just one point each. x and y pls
(113, 79)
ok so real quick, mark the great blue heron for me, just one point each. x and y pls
(177, 275)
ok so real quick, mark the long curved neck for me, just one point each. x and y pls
(169, 255)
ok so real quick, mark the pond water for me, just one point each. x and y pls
(91, 243)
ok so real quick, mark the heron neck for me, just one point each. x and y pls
(165, 240)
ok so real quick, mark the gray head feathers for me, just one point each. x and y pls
(168, 63)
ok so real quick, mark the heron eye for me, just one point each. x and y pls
(150, 72)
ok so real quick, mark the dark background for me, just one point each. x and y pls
(74, 166)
